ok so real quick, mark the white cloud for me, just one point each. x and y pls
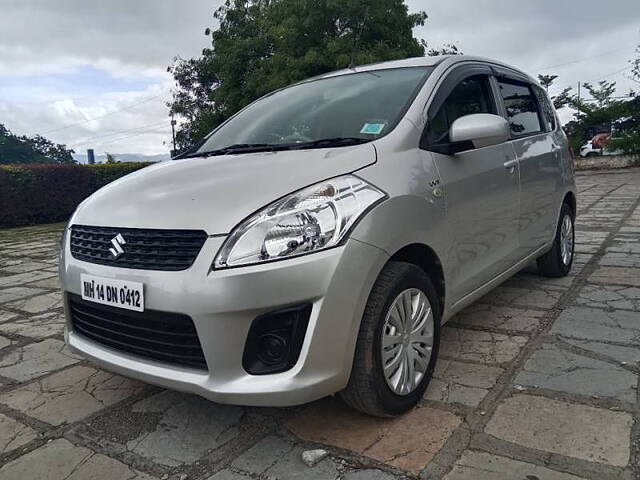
(141, 124)
(573, 37)
(66, 62)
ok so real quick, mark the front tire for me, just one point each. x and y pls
(397, 344)
(557, 261)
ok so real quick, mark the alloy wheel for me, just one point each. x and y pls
(566, 240)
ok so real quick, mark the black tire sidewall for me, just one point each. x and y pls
(391, 402)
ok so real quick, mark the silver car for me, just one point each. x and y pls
(315, 242)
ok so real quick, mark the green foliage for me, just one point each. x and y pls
(546, 80)
(263, 45)
(37, 193)
(111, 158)
(560, 100)
(606, 110)
(23, 149)
(629, 143)
(104, 173)
(635, 66)
(447, 49)
(629, 139)
(603, 93)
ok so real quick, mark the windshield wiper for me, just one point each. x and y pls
(242, 148)
(331, 142)
(274, 147)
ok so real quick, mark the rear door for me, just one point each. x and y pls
(532, 124)
(481, 186)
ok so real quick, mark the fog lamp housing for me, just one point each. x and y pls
(275, 340)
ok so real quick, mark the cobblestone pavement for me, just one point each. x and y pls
(537, 380)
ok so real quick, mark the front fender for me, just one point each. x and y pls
(406, 220)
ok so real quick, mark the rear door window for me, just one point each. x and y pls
(521, 107)
(548, 113)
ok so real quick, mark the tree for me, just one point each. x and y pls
(635, 66)
(629, 139)
(263, 45)
(599, 114)
(37, 149)
(110, 158)
(626, 125)
(607, 113)
(546, 80)
(447, 49)
(560, 100)
(603, 93)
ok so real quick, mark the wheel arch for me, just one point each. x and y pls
(425, 258)
(570, 199)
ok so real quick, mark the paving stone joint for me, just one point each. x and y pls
(537, 380)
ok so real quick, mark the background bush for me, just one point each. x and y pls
(47, 193)
(104, 173)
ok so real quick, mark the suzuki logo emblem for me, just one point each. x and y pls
(118, 241)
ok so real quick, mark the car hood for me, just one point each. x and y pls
(215, 193)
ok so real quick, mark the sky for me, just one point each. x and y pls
(93, 74)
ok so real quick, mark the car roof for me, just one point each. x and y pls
(447, 60)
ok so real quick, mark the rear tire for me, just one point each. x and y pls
(386, 392)
(557, 261)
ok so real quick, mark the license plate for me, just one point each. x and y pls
(117, 293)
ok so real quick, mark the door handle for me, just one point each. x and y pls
(511, 165)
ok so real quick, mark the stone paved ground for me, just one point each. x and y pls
(537, 380)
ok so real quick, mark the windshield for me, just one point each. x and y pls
(357, 107)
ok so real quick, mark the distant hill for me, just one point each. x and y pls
(124, 157)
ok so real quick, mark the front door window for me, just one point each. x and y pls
(471, 95)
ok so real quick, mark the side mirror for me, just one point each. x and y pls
(480, 130)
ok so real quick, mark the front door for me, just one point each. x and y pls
(482, 192)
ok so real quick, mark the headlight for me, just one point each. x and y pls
(309, 220)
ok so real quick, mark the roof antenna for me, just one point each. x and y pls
(354, 50)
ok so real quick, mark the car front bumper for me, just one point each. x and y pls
(223, 304)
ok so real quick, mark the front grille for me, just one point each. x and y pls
(144, 249)
(166, 337)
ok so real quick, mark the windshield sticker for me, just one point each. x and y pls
(372, 128)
